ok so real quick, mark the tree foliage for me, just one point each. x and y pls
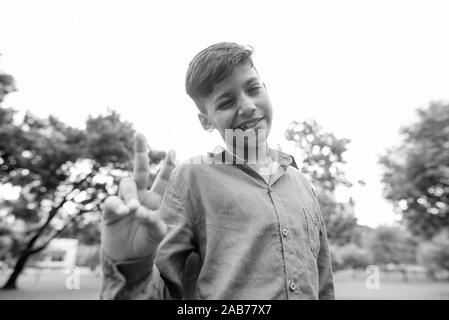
(322, 160)
(434, 253)
(7, 85)
(63, 173)
(342, 226)
(322, 153)
(416, 173)
(354, 257)
(392, 245)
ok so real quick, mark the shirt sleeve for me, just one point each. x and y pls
(162, 277)
(326, 281)
(133, 279)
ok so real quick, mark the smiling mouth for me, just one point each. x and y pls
(248, 124)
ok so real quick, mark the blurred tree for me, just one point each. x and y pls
(7, 245)
(434, 254)
(7, 84)
(322, 153)
(342, 226)
(88, 256)
(87, 231)
(416, 173)
(354, 257)
(64, 174)
(336, 259)
(391, 245)
(322, 159)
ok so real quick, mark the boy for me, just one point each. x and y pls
(249, 214)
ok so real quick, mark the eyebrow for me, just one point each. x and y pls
(228, 94)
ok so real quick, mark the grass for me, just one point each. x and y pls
(391, 287)
(52, 285)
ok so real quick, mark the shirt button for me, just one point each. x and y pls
(285, 232)
(292, 286)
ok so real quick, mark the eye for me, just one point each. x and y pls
(253, 90)
(224, 105)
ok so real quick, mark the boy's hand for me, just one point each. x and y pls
(132, 227)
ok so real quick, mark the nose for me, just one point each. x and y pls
(246, 106)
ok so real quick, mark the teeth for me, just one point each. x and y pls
(248, 125)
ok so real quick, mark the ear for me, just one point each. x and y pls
(205, 122)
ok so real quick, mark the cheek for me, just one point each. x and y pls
(264, 103)
(224, 120)
(268, 110)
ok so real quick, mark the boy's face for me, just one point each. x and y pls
(240, 101)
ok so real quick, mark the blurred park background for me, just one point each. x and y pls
(58, 163)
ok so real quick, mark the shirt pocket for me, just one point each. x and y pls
(313, 231)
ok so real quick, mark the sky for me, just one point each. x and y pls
(359, 68)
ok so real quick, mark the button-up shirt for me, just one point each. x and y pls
(254, 240)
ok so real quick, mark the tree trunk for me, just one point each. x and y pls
(430, 274)
(28, 252)
(11, 283)
(18, 268)
(353, 273)
(403, 271)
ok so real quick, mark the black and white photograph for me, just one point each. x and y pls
(224, 150)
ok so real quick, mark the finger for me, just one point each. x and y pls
(163, 177)
(151, 179)
(114, 209)
(141, 162)
(151, 220)
(128, 193)
(152, 200)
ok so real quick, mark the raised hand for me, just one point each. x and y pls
(132, 226)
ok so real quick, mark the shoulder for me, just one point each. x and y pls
(190, 169)
(303, 181)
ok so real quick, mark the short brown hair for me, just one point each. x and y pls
(211, 66)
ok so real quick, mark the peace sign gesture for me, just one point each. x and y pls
(132, 226)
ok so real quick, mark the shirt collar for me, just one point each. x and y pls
(284, 159)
